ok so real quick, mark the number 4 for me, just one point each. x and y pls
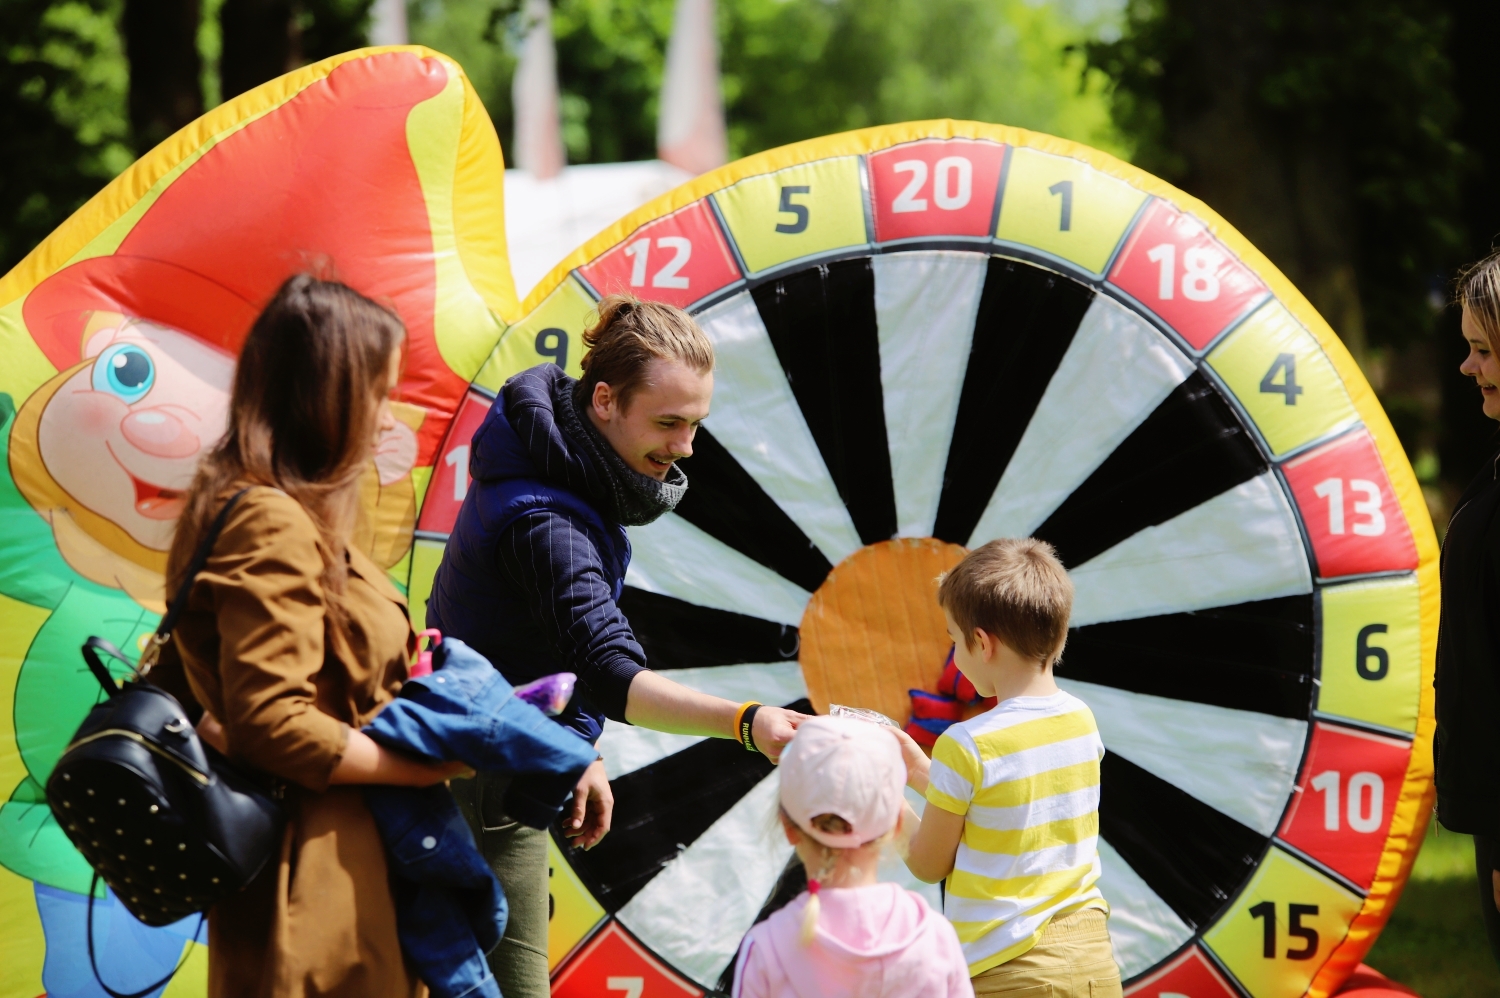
(1285, 365)
(632, 986)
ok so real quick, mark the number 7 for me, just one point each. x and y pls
(632, 986)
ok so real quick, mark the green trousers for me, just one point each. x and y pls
(518, 855)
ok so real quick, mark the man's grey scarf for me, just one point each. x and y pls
(638, 499)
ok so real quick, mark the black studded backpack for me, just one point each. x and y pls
(164, 819)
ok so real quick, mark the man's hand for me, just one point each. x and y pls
(917, 763)
(773, 728)
(592, 808)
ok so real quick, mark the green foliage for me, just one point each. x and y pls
(1374, 76)
(792, 69)
(63, 125)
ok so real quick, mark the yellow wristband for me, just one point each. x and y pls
(739, 717)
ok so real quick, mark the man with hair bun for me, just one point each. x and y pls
(535, 566)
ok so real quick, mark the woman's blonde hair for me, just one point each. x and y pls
(1477, 290)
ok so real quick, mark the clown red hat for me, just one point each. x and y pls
(57, 311)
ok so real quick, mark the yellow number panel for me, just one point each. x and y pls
(1283, 379)
(1371, 662)
(1064, 207)
(1290, 910)
(796, 212)
(426, 556)
(553, 332)
(574, 910)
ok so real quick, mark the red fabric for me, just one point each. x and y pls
(326, 183)
(932, 707)
(1367, 982)
(921, 735)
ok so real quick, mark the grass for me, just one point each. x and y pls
(1435, 942)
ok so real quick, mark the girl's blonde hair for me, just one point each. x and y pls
(1477, 290)
(833, 825)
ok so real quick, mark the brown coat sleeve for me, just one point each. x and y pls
(268, 601)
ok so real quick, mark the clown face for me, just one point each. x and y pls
(123, 435)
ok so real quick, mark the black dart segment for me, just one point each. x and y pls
(1192, 448)
(724, 501)
(822, 323)
(661, 809)
(1191, 855)
(1026, 321)
(681, 635)
(1255, 656)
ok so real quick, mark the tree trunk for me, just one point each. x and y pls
(1286, 189)
(161, 42)
(262, 40)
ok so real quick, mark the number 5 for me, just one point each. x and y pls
(632, 986)
(789, 207)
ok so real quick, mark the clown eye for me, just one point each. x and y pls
(124, 370)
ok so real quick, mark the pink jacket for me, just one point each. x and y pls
(873, 942)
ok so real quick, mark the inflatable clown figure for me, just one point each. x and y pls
(120, 334)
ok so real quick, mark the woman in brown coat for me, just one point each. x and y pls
(293, 640)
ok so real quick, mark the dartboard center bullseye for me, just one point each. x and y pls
(873, 630)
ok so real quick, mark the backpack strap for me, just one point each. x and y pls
(179, 601)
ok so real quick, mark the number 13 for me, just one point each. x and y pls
(1332, 489)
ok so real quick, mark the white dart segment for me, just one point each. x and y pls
(925, 304)
(1091, 405)
(696, 911)
(1238, 761)
(1240, 546)
(627, 748)
(756, 417)
(674, 558)
(1142, 927)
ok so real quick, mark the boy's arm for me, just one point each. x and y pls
(934, 837)
(935, 844)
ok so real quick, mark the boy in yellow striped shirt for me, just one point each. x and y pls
(1012, 817)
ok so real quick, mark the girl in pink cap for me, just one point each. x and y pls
(847, 936)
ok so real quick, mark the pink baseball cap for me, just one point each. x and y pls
(841, 766)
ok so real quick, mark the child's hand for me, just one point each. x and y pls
(917, 763)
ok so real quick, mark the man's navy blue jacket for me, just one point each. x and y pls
(534, 568)
(450, 910)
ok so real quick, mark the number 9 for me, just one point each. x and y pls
(557, 348)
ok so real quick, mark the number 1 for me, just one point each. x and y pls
(458, 460)
(1064, 190)
(1267, 910)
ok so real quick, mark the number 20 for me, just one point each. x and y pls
(952, 184)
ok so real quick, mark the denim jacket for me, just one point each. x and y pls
(450, 910)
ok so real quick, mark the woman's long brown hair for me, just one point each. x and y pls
(302, 413)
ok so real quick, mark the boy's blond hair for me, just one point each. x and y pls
(1015, 589)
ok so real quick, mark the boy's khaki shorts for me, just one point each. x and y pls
(1073, 959)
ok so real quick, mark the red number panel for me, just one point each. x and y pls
(1342, 808)
(1191, 975)
(1175, 268)
(678, 259)
(941, 187)
(614, 965)
(450, 473)
(1352, 516)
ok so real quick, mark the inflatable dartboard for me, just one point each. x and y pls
(118, 336)
(934, 334)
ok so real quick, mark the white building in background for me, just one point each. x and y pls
(551, 208)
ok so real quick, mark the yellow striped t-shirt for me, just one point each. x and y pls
(1025, 776)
